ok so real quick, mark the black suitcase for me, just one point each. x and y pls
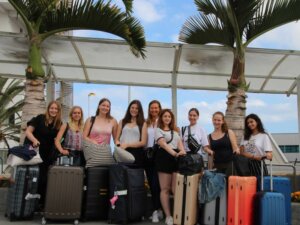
(22, 195)
(127, 194)
(96, 199)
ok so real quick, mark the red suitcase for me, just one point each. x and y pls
(241, 191)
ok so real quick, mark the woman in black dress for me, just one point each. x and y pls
(41, 131)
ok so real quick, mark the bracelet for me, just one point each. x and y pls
(118, 145)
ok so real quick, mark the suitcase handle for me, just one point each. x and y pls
(262, 174)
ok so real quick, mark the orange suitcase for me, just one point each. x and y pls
(185, 199)
(241, 191)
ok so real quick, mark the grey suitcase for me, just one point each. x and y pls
(22, 194)
(64, 193)
(214, 212)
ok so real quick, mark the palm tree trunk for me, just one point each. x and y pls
(35, 68)
(34, 102)
(236, 98)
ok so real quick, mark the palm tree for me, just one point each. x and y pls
(235, 24)
(44, 18)
(11, 101)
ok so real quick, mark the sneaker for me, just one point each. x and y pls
(169, 220)
(155, 218)
(160, 214)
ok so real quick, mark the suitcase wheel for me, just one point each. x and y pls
(44, 221)
(76, 222)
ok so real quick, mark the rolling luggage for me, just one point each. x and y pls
(96, 199)
(214, 212)
(282, 185)
(269, 206)
(64, 193)
(22, 194)
(185, 199)
(241, 191)
(127, 194)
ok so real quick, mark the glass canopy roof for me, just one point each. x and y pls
(166, 64)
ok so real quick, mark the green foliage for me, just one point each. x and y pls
(233, 88)
(44, 18)
(10, 106)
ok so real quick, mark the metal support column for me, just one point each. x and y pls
(178, 49)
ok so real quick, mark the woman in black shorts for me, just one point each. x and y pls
(166, 135)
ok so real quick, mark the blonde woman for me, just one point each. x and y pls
(71, 133)
(41, 131)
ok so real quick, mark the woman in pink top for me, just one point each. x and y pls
(100, 128)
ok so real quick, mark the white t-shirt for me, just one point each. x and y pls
(159, 133)
(257, 144)
(200, 136)
(151, 133)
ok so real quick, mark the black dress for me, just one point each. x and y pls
(45, 135)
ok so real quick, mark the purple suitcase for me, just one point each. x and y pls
(269, 206)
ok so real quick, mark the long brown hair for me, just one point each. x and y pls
(140, 119)
(260, 126)
(71, 121)
(224, 126)
(108, 116)
(57, 119)
(160, 123)
(150, 117)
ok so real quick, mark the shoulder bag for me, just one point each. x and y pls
(192, 143)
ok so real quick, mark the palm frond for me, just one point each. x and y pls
(100, 16)
(204, 29)
(272, 14)
(128, 5)
(9, 90)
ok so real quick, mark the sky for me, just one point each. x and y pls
(162, 21)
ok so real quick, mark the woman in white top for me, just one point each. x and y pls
(197, 132)
(132, 132)
(166, 135)
(102, 127)
(154, 109)
(256, 144)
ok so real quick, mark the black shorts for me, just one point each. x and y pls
(164, 162)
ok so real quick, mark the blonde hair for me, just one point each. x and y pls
(57, 119)
(72, 122)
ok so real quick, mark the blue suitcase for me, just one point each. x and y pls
(269, 206)
(281, 185)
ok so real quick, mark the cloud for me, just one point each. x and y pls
(284, 37)
(256, 103)
(146, 10)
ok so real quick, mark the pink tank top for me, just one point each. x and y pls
(102, 134)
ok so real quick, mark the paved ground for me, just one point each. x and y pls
(37, 220)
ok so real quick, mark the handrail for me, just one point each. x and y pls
(278, 150)
(294, 172)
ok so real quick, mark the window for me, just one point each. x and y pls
(289, 148)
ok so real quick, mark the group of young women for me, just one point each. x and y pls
(134, 133)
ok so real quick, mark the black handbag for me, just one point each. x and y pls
(150, 152)
(241, 164)
(190, 164)
(192, 143)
